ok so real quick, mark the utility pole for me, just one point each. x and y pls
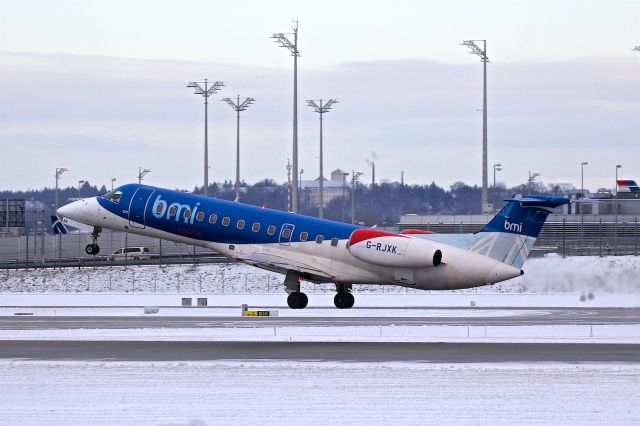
(615, 249)
(532, 177)
(283, 41)
(59, 172)
(288, 185)
(496, 168)
(354, 179)
(482, 53)
(321, 108)
(206, 92)
(141, 174)
(238, 106)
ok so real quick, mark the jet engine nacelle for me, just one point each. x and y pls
(387, 249)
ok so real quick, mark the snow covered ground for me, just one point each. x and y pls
(311, 393)
(551, 274)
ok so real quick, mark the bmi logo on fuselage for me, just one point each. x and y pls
(163, 210)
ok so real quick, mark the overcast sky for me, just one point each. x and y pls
(99, 88)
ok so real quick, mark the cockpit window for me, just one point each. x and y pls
(113, 196)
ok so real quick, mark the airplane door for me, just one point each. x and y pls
(138, 206)
(286, 232)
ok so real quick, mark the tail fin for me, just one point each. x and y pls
(510, 235)
(58, 226)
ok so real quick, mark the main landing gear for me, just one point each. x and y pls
(343, 299)
(296, 299)
(93, 248)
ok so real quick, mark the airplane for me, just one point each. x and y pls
(319, 250)
(62, 226)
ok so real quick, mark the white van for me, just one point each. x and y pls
(131, 253)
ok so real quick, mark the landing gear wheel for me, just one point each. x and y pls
(344, 300)
(92, 249)
(297, 300)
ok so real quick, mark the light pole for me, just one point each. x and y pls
(283, 41)
(354, 178)
(496, 168)
(141, 174)
(321, 108)
(80, 183)
(288, 185)
(532, 177)
(112, 182)
(59, 172)
(238, 106)
(584, 163)
(206, 92)
(618, 166)
(344, 196)
(300, 184)
(482, 53)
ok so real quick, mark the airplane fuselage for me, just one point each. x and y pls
(318, 250)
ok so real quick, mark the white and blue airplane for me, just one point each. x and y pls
(319, 250)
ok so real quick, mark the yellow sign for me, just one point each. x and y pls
(256, 313)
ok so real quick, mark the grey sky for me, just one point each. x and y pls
(564, 87)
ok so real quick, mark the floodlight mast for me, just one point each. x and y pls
(482, 53)
(238, 106)
(321, 108)
(141, 174)
(206, 92)
(283, 41)
(59, 172)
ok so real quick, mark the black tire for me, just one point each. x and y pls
(92, 249)
(352, 300)
(297, 300)
(341, 300)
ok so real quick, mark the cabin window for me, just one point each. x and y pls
(213, 218)
(319, 239)
(255, 227)
(304, 236)
(187, 214)
(286, 232)
(113, 196)
(160, 208)
(200, 216)
(334, 242)
(226, 221)
(240, 224)
(172, 211)
(271, 230)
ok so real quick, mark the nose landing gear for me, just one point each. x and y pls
(93, 248)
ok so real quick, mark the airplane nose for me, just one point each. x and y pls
(70, 210)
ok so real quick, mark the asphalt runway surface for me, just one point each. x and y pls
(468, 316)
(313, 351)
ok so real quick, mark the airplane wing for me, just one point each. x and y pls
(275, 263)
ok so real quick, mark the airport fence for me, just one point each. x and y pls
(577, 236)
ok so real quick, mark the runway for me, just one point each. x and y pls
(373, 317)
(326, 351)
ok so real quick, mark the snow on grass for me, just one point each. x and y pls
(96, 393)
(551, 274)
